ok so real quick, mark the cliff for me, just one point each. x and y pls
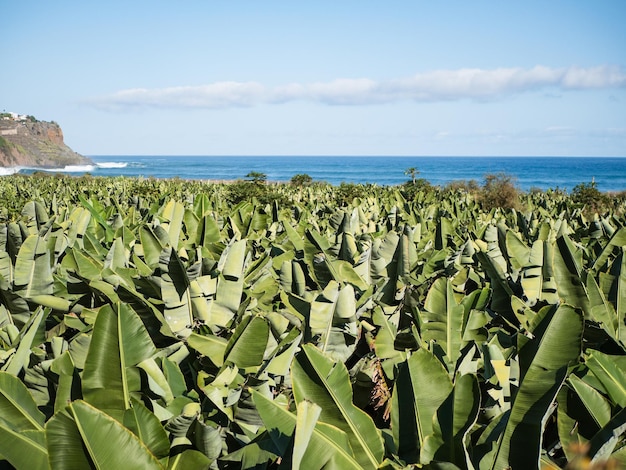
(34, 143)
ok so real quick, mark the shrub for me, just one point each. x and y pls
(257, 177)
(499, 191)
(346, 192)
(243, 190)
(301, 179)
(588, 195)
(470, 186)
(411, 189)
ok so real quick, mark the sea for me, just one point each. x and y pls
(608, 173)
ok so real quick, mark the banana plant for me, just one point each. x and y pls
(544, 363)
(318, 379)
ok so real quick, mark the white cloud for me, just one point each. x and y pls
(215, 95)
(438, 85)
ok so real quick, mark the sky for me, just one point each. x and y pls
(413, 78)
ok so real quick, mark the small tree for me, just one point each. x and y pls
(413, 172)
(257, 177)
(589, 195)
(499, 191)
(301, 179)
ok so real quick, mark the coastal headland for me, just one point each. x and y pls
(28, 142)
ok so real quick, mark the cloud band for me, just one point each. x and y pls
(433, 86)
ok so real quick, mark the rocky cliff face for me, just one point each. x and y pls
(35, 144)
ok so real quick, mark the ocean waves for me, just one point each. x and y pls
(608, 173)
(112, 164)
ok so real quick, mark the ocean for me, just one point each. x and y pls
(609, 173)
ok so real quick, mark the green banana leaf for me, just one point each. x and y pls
(172, 214)
(452, 424)
(189, 459)
(597, 406)
(602, 445)
(443, 318)
(36, 216)
(68, 387)
(97, 214)
(316, 378)
(32, 336)
(210, 346)
(23, 449)
(147, 427)
(230, 283)
(32, 274)
(248, 343)
(544, 363)
(175, 293)
(610, 370)
(333, 318)
(422, 386)
(18, 410)
(618, 239)
(315, 445)
(119, 343)
(151, 245)
(307, 415)
(82, 437)
(569, 274)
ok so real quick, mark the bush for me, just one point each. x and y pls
(347, 192)
(469, 186)
(242, 190)
(588, 195)
(499, 191)
(301, 179)
(411, 189)
(257, 177)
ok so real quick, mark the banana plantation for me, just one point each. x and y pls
(152, 324)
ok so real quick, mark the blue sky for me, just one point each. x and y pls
(321, 78)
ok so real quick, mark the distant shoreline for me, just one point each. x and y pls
(530, 173)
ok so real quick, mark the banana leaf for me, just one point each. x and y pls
(92, 207)
(175, 293)
(68, 388)
(247, 345)
(17, 407)
(326, 447)
(422, 386)
(82, 437)
(333, 318)
(569, 275)
(119, 343)
(452, 423)
(442, 319)
(229, 284)
(602, 445)
(23, 449)
(147, 427)
(610, 370)
(318, 379)
(210, 346)
(618, 239)
(32, 274)
(172, 214)
(151, 245)
(32, 336)
(36, 216)
(544, 363)
(188, 459)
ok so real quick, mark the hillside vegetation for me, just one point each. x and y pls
(178, 324)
